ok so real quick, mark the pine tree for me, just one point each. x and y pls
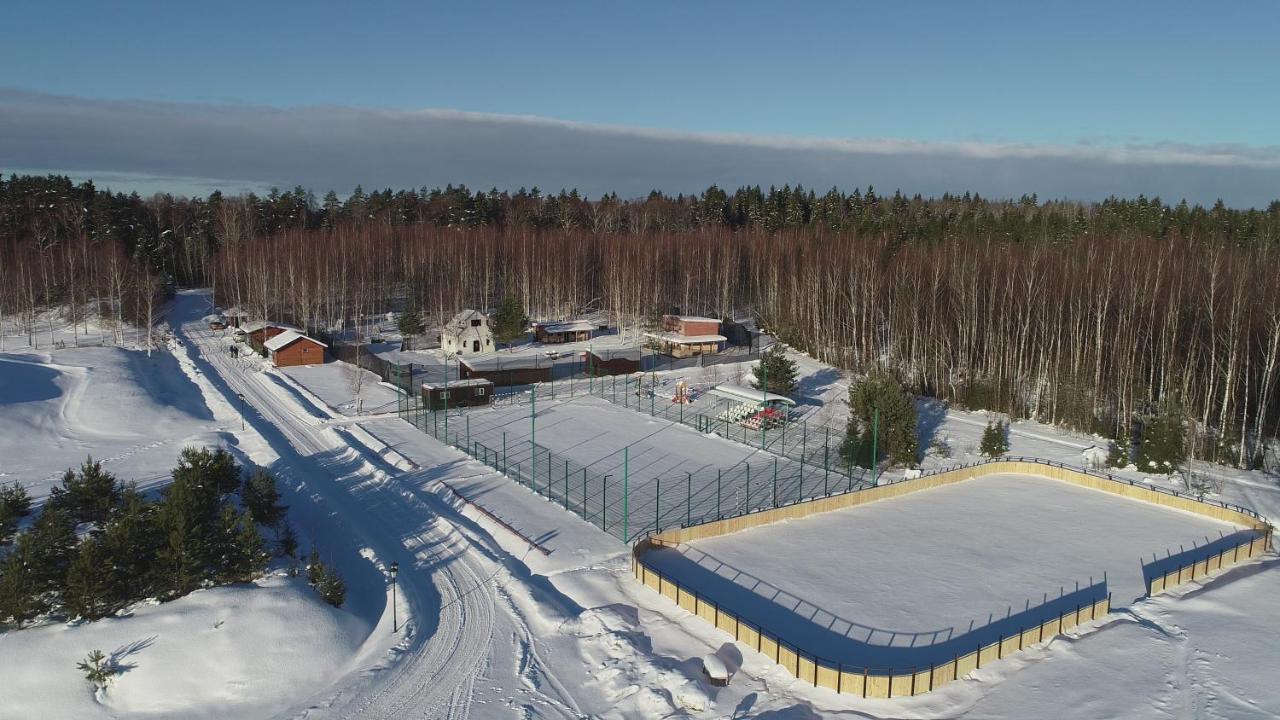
(87, 495)
(410, 322)
(15, 504)
(896, 436)
(1118, 454)
(315, 567)
(97, 669)
(131, 541)
(1163, 447)
(52, 544)
(509, 322)
(288, 541)
(777, 369)
(995, 439)
(262, 498)
(331, 587)
(88, 582)
(20, 599)
(187, 523)
(216, 472)
(243, 554)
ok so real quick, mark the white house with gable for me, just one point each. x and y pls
(468, 333)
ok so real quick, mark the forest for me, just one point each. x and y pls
(1088, 315)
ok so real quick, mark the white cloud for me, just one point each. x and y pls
(338, 147)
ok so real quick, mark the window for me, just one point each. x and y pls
(476, 322)
(444, 394)
(480, 391)
(475, 346)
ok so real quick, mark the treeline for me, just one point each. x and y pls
(175, 236)
(98, 546)
(1092, 316)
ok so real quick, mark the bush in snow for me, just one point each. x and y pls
(995, 439)
(1118, 454)
(262, 499)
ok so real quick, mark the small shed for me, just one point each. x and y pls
(457, 393)
(507, 370)
(613, 362)
(741, 332)
(291, 348)
(554, 333)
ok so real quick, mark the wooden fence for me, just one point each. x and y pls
(869, 682)
(1199, 568)
(899, 682)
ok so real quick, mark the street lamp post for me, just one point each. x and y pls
(395, 622)
(241, 396)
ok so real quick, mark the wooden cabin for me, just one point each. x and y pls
(291, 348)
(457, 393)
(612, 362)
(554, 333)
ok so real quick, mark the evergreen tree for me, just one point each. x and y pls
(1118, 454)
(52, 543)
(331, 587)
(87, 495)
(995, 439)
(896, 436)
(1163, 447)
(288, 541)
(214, 472)
(242, 554)
(131, 542)
(262, 498)
(410, 322)
(88, 584)
(20, 599)
(97, 669)
(777, 369)
(15, 504)
(509, 322)
(187, 521)
(315, 567)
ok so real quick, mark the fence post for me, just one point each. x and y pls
(504, 452)
(688, 502)
(657, 502)
(626, 492)
(747, 505)
(566, 484)
(775, 481)
(718, 471)
(826, 465)
(584, 494)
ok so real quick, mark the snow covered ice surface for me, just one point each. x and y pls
(489, 627)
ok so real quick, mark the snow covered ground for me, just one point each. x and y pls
(131, 412)
(491, 627)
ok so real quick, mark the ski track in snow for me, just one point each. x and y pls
(433, 676)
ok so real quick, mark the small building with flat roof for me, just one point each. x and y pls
(502, 369)
(457, 393)
(683, 346)
(554, 333)
(750, 395)
(612, 362)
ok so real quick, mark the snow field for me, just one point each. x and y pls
(908, 581)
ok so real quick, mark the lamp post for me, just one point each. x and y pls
(241, 396)
(395, 623)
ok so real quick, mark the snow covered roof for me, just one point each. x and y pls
(489, 362)
(462, 322)
(696, 318)
(740, 393)
(257, 325)
(567, 326)
(288, 337)
(678, 339)
(468, 382)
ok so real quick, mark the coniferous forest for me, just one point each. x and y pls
(1088, 315)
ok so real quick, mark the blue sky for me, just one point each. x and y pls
(1115, 74)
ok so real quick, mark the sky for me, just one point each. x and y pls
(1074, 100)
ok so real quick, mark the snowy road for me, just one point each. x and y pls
(450, 609)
